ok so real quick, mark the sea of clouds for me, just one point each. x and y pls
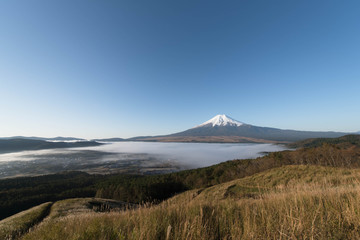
(117, 155)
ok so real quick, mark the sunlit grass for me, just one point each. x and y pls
(293, 202)
(17, 224)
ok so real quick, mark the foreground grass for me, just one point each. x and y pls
(76, 206)
(12, 227)
(275, 180)
(292, 202)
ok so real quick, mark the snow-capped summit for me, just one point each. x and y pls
(221, 120)
(222, 128)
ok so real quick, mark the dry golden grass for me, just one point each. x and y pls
(12, 227)
(75, 206)
(292, 202)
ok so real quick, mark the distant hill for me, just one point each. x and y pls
(46, 139)
(18, 144)
(109, 139)
(222, 128)
(344, 141)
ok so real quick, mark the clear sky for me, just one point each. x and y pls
(127, 68)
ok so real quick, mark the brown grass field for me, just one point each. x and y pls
(290, 202)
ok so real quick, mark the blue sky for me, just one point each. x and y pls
(127, 68)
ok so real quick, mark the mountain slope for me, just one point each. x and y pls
(310, 205)
(18, 224)
(250, 131)
(221, 120)
(230, 130)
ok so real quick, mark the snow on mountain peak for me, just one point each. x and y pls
(221, 120)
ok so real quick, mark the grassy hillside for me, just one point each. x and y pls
(15, 226)
(309, 193)
(75, 206)
(22, 193)
(276, 179)
(290, 202)
(18, 224)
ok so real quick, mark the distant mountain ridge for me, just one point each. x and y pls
(109, 139)
(46, 139)
(219, 129)
(223, 128)
(20, 144)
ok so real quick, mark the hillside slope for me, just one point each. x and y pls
(16, 225)
(343, 142)
(289, 202)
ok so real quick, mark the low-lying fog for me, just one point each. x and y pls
(128, 157)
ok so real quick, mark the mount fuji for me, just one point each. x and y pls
(221, 120)
(223, 128)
